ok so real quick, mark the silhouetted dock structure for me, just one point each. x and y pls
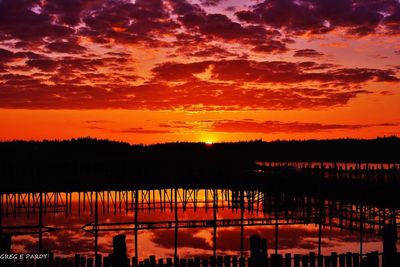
(252, 207)
(373, 259)
(360, 197)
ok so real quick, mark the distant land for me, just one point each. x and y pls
(91, 163)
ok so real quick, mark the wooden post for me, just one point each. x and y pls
(389, 245)
(227, 261)
(213, 261)
(320, 261)
(5, 243)
(89, 262)
(197, 261)
(215, 203)
(57, 262)
(176, 224)
(296, 261)
(77, 260)
(242, 262)
(98, 260)
(83, 262)
(342, 260)
(234, 262)
(107, 262)
(120, 258)
(190, 263)
(312, 259)
(241, 224)
(204, 263)
(176, 261)
(349, 259)
(169, 262)
(96, 225)
(41, 222)
(373, 259)
(304, 261)
(328, 261)
(134, 262)
(264, 251)
(288, 260)
(153, 261)
(182, 262)
(51, 259)
(220, 261)
(255, 247)
(334, 259)
(160, 263)
(356, 260)
(276, 260)
(136, 224)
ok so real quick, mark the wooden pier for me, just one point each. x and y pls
(373, 259)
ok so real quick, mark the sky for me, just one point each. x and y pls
(150, 71)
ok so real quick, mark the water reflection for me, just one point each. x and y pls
(189, 222)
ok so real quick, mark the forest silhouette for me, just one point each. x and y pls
(92, 164)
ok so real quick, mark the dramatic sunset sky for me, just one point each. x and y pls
(147, 71)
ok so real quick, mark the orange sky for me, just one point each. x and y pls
(150, 71)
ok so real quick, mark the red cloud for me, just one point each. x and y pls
(358, 17)
(271, 72)
(250, 126)
(307, 53)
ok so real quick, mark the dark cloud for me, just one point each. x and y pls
(211, 51)
(250, 126)
(307, 53)
(94, 75)
(46, 65)
(125, 22)
(18, 20)
(140, 130)
(357, 17)
(70, 12)
(186, 239)
(221, 27)
(272, 72)
(65, 47)
(228, 240)
(211, 2)
(30, 92)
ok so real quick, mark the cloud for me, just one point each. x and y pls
(126, 22)
(356, 17)
(220, 27)
(65, 47)
(250, 126)
(229, 239)
(187, 239)
(18, 20)
(307, 53)
(271, 72)
(27, 91)
(210, 51)
(140, 130)
(83, 54)
(211, 2)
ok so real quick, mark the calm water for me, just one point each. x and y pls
(297, 230)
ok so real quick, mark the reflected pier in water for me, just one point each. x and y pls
(358, 197)
(251, 207)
